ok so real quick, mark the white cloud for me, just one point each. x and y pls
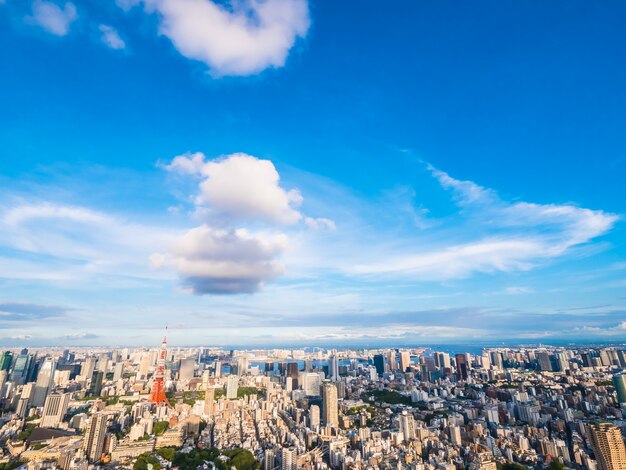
(73, 242)
(111, 38)
(320, 223)
(241, 187)
(213, 261)
(501, 237)
(239, 38)
(52, 17)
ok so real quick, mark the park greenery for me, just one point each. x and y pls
(241, 459)
(388, 396)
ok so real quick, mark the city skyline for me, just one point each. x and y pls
(333, 176)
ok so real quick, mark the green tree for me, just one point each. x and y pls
(167, 453)
(144, 460)
(159, 428)
(556, 465)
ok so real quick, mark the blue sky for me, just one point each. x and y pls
(293, 172)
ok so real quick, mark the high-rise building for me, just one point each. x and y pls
(186, 369)
(45, 380)
(23, 367)
(544, 362)
(242, 365)
(6, 360)
(54, 409)
(442, 360)
(462, 369)
(3, 380)
(331, 405)
(405, 360)
(209, 398)
(94, 436)
(218, 369)
(314, 416)
(95, 388)
(407, 425)
(391, 360)
(232, 385)
(269, 459)
(379, 363)
(289, 457)
(455, 435)
(311, 384)
(608, 446)
(619, 382)
(333, 368)
(87, 367)
(23, 404)
(118, 371)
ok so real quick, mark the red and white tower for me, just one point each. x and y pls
(158, 389)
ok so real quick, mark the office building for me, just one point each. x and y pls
(619, 382)
(209, 399)
(379, 363)
(45, 380)
(54, 409)
(330, 405)
(462, 369)
(405, 361)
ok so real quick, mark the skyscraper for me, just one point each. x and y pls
(186, 369)
(331, 405)
(54, 409)
(379, 363)
(87, 368)
(311, 384)
(94, 436)
(45, 380)
(619, 382)
(608, 445)
(6, 360)
(22, 368)
(209, 398)
(462, 369)
(232, 385)
(391, 360)
(333, 368)
(405, 360)
(407, 425)
(95, 388)
(314, 416)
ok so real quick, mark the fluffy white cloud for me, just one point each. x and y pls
(52, 17)
(240, 187)
(238, 38)
(213, 261)
(111, 38)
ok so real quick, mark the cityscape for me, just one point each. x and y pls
(192, 408)
(312, 235)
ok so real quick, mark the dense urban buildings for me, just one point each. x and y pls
(498, 408)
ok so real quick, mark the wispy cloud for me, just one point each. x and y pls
(502, 236)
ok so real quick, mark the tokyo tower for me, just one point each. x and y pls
(158, 390)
